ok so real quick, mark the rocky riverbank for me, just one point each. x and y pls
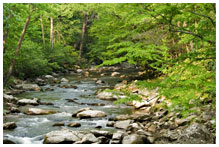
(151, 122)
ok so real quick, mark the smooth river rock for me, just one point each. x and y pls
(123, 124)
(91, 114)
(58, 124)
(38, 111)
(74, 124)
(80, 110)
(62, 136)
(115, 74)
(9, 125)
(64, 80)
(28, 102)
(31, 87)
(134, 139)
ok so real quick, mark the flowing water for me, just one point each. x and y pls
(32, 128)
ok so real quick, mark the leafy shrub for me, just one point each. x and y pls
(31, 61)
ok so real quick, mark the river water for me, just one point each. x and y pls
(31, 129)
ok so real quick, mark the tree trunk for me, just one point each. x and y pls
(83, 34)
(10, 69)
(5, 34)
(5, 39)
(76, 43)
(41, 20)
(51, 33)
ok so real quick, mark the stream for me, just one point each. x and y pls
(31, 129)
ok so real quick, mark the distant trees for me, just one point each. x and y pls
(51, 34)
(34, 46)
(42, 28)
(176, 41)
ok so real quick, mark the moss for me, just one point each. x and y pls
(129, 98)
(149, 84)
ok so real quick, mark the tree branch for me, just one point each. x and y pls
(212, 21)
(197, 35)
(185, 31)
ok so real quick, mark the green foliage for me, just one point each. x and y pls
(31, 61)
(34, 59)
(61, 56)
(153, 84)
(174, 40)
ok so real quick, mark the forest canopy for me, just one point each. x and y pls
(175, 42)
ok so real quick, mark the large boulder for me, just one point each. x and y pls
(123, 124)
(80, 110)
(135, 139)
(9, 125)
(196, 133)
(91, 114)
(23, 102)
(30, 87)
(38, 111)
(62, 136)
(88, 139)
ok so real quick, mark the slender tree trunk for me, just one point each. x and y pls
(51, 33)
(5, 35)
(76, 44)
(83, 34)
(5, 39)
(42, 28)
(10, 69)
